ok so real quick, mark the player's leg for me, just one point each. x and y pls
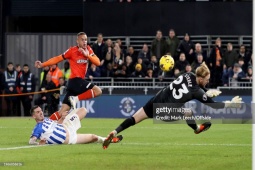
(57, 115)
(73, 124)
(143, 113)
(139, 116)
(66, 105)
(97, 91)
(192, 123)
(90, 138)
(89, 93)
(85, 91)
(81, 112)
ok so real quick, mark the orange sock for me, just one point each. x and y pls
(55, 116)
(86, 95)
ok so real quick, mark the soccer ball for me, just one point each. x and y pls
(166, 63)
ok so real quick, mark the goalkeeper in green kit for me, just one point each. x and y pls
(186, 87)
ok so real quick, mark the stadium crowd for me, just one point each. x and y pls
(120, 61)
(228, 67)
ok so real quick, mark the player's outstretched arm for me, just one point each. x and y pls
(206, 98)
(38, 64)
(52, 61)
(236, 102)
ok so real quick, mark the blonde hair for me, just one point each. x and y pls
(202, 70)
(81, 33)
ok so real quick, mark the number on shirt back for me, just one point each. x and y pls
(181, 88)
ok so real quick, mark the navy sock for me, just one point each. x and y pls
(126, 124)
(192, 124)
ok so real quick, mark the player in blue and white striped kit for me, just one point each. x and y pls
(48, 129)
(63, 131)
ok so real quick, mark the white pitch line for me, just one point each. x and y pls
(22, 147)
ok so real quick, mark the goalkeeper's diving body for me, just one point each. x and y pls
(186, 87)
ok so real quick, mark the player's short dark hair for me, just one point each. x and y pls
(81, 33)
(158, 31)
(240, 59)
(33, 108)
(10, 63)
(100, 34)
(242, 45)
(25, 65)
(171, 30)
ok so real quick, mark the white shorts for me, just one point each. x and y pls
(72, 124)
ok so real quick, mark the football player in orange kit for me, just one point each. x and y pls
(78, 88)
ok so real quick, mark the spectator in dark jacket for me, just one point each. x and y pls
(187, 47)
(9, 81)
(121, 72)
(245, 56)
(199, 60)
(93, 71)
(181, 63)
(99, 47)
(230, 57)
(233, 76)
(47, 97)
(108, 72)
(27, 84)
(132, 53)
(154, 65)
(159, 46)
(173, 43)
(216, 64)
(198, 50)
(130, 68)
(145, 54)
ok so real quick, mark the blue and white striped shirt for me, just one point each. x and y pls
(51, 131)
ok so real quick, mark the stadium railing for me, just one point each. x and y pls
(132, 82)
(142, 85)
(243, 83)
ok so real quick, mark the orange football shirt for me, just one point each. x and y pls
(78, 62)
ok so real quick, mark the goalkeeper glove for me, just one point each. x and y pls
(213, 93)
(236, 102)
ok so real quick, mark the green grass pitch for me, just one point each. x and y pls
(145, 146)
